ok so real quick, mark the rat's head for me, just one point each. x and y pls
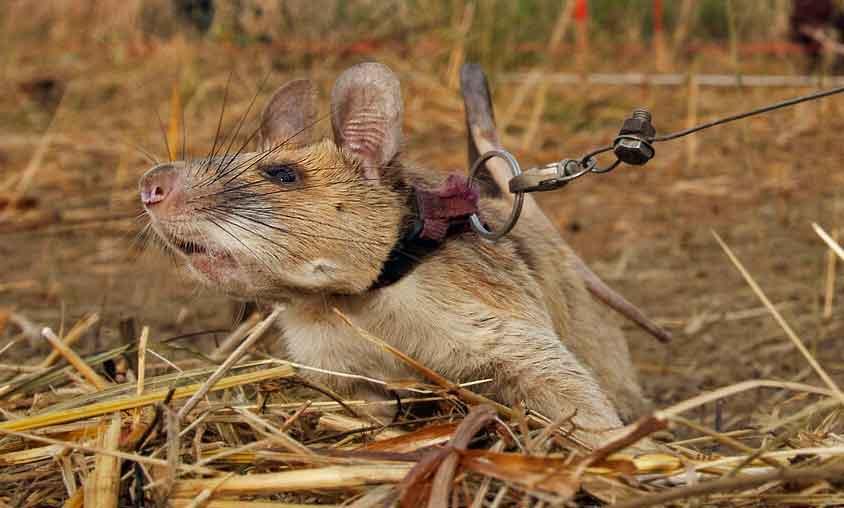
(298, 214)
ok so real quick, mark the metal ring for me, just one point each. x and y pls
(474, 220)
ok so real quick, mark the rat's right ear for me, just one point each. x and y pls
(366, 115)
(290, 116)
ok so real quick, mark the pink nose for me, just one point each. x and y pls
(157, 184)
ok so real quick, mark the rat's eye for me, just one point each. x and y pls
(280, 173)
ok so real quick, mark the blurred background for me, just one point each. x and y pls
(92, 93)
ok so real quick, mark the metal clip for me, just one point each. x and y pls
(474, 220)
(549, 177)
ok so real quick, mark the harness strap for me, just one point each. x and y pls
(437, 215)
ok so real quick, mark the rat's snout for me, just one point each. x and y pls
(158, 184)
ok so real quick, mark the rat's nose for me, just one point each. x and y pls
(157, 184)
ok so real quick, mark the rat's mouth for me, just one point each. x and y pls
(216, 266)
(198, 253)
(188, 247)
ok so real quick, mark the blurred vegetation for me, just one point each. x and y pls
(61, 41)
(504, 34)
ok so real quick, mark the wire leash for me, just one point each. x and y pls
(633, 146)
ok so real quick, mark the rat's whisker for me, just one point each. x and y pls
(351, 181)
(228, 220)
(238, 240)
(213, 151)
(143, 151)
(305, 235)
(164, 136)
(274, 214)
(240, 124)
(282, 144)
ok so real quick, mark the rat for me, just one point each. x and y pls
(347, 223)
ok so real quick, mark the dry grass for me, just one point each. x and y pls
(246, 445)
(749, 395)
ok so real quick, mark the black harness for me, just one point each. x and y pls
(435, 216)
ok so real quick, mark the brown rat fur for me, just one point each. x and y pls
(310, 223)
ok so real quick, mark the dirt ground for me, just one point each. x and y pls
(648, 230)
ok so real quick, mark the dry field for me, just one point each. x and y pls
(87, 100)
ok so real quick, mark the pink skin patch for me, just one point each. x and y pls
(217, 267)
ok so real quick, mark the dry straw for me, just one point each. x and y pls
(254, 451)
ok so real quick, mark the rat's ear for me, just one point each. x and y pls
(290, 115)
(366, 115)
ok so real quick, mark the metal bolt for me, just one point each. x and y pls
(642, 114)
(638, 124)
(632, 146)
